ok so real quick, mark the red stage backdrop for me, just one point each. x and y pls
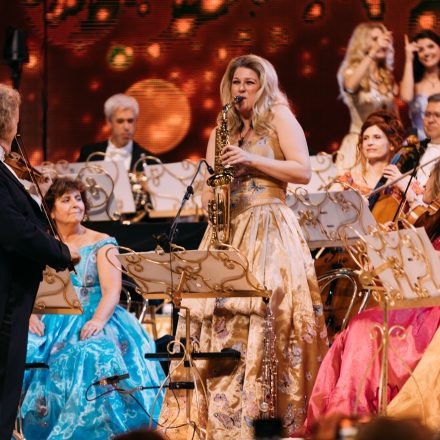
(171, 54)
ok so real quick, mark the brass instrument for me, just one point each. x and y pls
(219, 208)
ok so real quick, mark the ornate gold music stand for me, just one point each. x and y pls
(402, 270)
(191, 274)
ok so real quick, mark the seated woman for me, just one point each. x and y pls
(81, 349)
(338, 388)
(381, 137)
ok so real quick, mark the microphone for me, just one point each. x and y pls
(112, 380)
(208, 167)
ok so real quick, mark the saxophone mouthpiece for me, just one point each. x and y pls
(238, 99)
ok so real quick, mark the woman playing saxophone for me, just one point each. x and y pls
(267, 149)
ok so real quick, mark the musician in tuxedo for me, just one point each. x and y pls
(25, 249)
(121, 112)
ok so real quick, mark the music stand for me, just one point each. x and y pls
(405, 273)
(191, 274)
(331, 218)
(111, 169)
(166, 185)
(56, 294)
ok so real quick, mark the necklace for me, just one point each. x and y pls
(243, 137)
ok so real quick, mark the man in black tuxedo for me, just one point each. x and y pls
(25, 249)
(121, 112)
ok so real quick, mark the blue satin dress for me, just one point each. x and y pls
(55, 404)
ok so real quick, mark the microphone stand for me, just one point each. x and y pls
(423, 146)
(166, 241)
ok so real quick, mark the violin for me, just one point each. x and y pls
(427, 217)
(383, 206)
(18, 164)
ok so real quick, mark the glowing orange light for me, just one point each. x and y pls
(208, 75)
(195, 157)
(71, 3)
(119, 60)
(374, 7)
(315, 11)
(189, 88)
(33, 61)
(307, 70)
(165, 114)
(206, 132)
(86, 118)
(211, 6)
(306, 55)
(94, 85)
(36, 157)
(334, 146)
(222, 53)
(102, 14)
(143, 8)
(153, 50)
(427, 20)
(183, 26)
(174, 74)
(129, 51)
(31, 97)
(208, 104)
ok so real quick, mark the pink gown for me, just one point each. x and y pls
(345, 367)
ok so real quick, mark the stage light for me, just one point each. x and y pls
(244, 36)
(31, 97)
(426, 15)
(189, 88)
(102, 14)
(94, 85)
(154, 50)
(32, 63)
(222, 53)
(314, 11)
(183, 26)
(120, 57)
(375, 9)
(208, 104)
(143, 8)
(208, 75)
(86, 118)
(165, 114)
(174, 74)
(211, 6)
(427, 20)
(207, 132)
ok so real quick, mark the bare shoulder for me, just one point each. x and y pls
(97, 236)
(282, 112)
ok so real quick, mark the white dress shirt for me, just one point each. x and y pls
(121, 153)
(431, 152)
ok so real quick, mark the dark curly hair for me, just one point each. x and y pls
(390, 124)
(418, 67)
(63, 185)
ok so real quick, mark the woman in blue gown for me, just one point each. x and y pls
(421, 75)
(81, 349)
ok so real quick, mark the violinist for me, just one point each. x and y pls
(381, 136)
(25, 249)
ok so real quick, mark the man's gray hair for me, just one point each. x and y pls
(120, 101)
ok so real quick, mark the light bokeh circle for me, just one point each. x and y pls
(164, 114)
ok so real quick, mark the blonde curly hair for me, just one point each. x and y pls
(9, 103)
(267, 96)
(358, 47)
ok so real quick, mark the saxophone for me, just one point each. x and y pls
(219, 208)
